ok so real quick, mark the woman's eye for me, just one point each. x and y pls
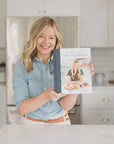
(51, 37)
(41, 36)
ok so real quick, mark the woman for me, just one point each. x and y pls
(33, 77)
(75, 75)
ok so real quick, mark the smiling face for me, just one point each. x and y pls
(46, 42)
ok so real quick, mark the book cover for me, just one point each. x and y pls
(72, 74)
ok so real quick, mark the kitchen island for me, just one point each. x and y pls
(46, 134)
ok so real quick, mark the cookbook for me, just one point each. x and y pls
(72, 74)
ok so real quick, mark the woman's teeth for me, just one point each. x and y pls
(45, 47)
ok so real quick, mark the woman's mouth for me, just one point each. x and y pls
(45, 47)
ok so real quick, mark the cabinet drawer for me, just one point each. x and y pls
(99, 98)
(97, 116)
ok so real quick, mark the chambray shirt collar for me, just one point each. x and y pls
(37, 59)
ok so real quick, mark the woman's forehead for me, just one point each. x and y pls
(49, 30)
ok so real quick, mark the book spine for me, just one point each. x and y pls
(57, 70)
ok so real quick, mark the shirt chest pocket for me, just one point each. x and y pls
(34, 87)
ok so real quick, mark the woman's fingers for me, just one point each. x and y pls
(91, 67)
(91, 60)
(59, 95)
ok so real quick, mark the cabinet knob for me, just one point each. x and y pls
(105, 119)
(45, 11)
(39, 11)
(111, 42)
(105, 41)
(105, 99)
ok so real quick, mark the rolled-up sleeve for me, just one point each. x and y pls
(20, 84)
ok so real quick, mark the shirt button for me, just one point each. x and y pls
(44, 75)
(46, 115)
(44, 88)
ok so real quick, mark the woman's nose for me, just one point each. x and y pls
(46, 40)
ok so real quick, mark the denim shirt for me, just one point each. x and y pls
(30, 84)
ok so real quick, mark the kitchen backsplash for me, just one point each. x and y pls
(2, 55)
(103, 60)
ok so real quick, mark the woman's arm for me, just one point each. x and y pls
(31, 104)
(68, 101)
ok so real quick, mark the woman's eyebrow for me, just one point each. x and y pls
(46, 35)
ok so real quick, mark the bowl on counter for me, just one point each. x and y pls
(99, 79)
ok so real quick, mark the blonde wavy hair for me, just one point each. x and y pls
(30, 50)
(75, 72)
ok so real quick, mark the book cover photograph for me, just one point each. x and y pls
(72, 74)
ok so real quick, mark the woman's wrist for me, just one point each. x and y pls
(68, 101)
(46, 95)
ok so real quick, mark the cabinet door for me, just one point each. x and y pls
(42, 7)
(94, 23)
(99, 98)
(111, 23)
(97, 116)
(22, 7)
(61, 7)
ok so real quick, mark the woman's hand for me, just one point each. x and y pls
(52, 95)
(91, 67)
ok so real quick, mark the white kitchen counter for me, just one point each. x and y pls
(73, 134)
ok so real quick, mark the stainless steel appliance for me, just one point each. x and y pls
(74, 113)
(2, 73)
(18, 29)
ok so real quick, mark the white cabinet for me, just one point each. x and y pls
(2, 105)
(43, 7)
(22, 7)
(97, 116)
(62, 7)
(97, 23)
(111, 23)
(98, 107)
(2, 22)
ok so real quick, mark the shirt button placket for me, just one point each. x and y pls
(44, 75)
(46, 115)
(44, 81)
